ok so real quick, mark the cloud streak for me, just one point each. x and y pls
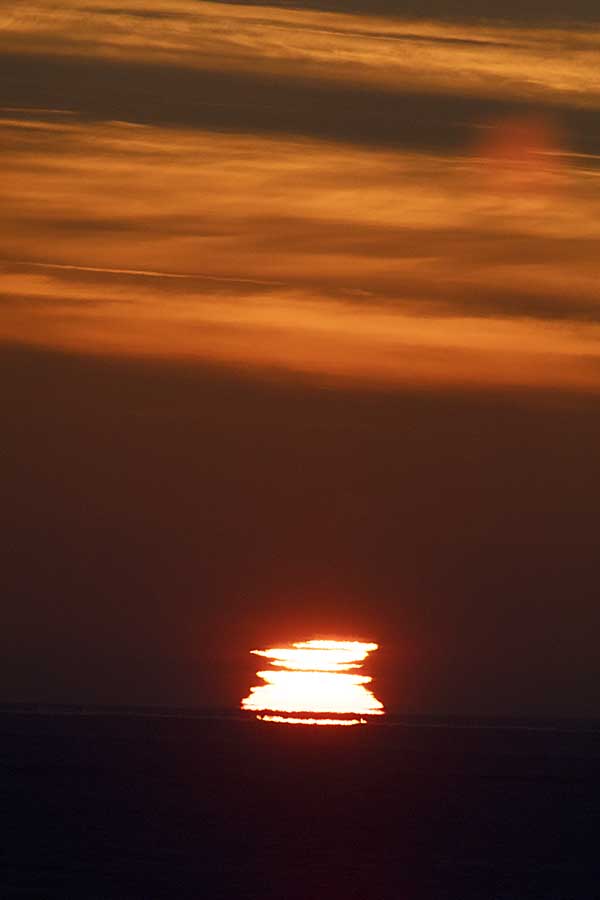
(556, 64)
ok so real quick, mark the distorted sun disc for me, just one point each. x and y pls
(314, 682)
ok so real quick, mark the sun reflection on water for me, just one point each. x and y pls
(311, 683)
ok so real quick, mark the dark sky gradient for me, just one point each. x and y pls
(160, 520)
(299, 336)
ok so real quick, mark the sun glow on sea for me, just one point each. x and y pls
(314, 683)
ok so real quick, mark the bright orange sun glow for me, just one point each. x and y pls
(311, 684)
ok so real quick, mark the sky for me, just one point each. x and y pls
(300, 337)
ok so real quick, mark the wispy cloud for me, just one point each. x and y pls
(298, 332)
(307, 255)
(556, 64)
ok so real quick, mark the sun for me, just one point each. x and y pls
(314, 682)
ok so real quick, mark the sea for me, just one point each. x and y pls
(122, 804)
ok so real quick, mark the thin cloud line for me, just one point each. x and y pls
(145, 273)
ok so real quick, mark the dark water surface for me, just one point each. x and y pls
(128, 806)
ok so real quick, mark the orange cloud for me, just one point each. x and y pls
(314, 257)
(554, 64)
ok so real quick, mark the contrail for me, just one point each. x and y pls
(145, 273)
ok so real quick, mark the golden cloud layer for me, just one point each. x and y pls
(315, 256)
(551, 64)
(303, 255)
